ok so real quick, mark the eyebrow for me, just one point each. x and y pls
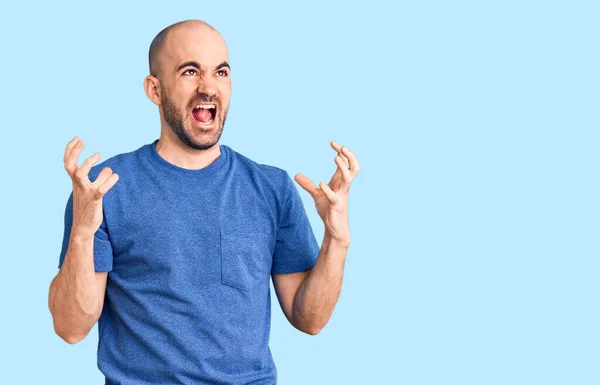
(197, 66)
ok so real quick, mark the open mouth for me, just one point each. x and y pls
(205, 113)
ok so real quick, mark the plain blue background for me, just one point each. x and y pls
(474, 220)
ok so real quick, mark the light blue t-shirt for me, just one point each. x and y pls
(190, 254)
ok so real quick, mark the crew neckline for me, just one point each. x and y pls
(171, 168)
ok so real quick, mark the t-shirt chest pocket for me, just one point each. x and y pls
(246, 258)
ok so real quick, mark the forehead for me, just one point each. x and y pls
(199, 44)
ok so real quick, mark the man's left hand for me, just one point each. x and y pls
(331, 199)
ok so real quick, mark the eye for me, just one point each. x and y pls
(193, 70)
(223, 72)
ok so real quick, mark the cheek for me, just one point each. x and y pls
(225, 93)
(224, 96)
(225, 90)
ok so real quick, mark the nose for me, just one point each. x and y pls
(207, 87)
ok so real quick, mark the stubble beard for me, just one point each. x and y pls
(178, 124)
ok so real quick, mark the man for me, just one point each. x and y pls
(170, 247)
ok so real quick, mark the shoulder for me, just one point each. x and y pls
(274, 182)
(266, 173)
(119, 163)
(127, 166)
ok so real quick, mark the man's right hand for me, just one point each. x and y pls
(87, 195)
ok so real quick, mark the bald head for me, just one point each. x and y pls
(159, 42)
(189, 65)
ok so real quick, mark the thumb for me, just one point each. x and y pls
(307, 184)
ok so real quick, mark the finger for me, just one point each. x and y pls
(307, 184)
(70, 145)
(354, 166)
(346, 175)
(338, 147)
(336, 178)
(107, 185)
(82, 173)
(102, 177)
(71, 162)
(332, 196)
(79, 144)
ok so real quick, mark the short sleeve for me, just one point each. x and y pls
(103, 252)
(296, 248)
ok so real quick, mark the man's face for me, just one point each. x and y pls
(195, 73)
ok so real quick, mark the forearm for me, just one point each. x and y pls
(73, 297)
(318, 294)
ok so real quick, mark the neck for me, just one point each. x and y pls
(174, 151)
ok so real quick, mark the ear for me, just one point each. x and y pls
(152, 88)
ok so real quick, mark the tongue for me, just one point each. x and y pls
(203, 115)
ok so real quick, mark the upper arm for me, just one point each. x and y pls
(286, 286)
(296, 247)
(101, 278)
(103, 251)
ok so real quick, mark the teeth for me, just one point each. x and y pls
(205, 106)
